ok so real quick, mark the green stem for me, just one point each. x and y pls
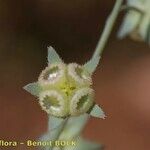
(108, 28)
(73, 128)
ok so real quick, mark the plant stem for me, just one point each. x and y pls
(108, 28)
(70, 129)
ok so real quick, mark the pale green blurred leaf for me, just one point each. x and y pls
(74, 127)
(82, 144)
(53, 57)
(130, 22)
(33, 88)
(135, 3)
(97, 112)
(144, 28)
(55, 128)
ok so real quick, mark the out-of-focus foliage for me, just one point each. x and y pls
(137, 21)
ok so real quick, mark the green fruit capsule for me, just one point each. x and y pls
(78, 75)
(81, 101)
(54, 103)
(53, 75)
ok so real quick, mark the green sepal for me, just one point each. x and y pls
(53, 57)
(92, 64)
(33, 88)
(97, 112)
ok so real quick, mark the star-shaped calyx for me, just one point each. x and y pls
(66, 89)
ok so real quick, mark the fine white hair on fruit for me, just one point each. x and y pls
(81, 101)
(78, 74)
(52, 74)
(53, 102)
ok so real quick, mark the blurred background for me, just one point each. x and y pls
(122, 80)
